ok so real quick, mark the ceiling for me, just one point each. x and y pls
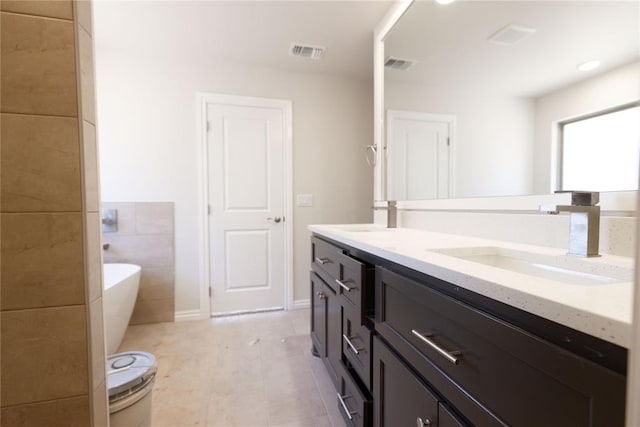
(451, 47)
(250, 32)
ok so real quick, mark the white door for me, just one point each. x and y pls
(418, 155)
(246, 198)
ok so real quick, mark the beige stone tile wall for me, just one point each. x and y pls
(41, 163)
(38, 65)
(72, 412)
(42, 260)
(145, 236)
(41, 348)
(52, 357)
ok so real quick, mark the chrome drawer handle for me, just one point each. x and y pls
(344, 406)
(321, 295)
(353, 347)
(344, 285)
(423, 423)
(449, 355)
(323, 261)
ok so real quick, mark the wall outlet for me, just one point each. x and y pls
(304, 200)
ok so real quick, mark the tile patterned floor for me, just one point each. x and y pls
(248, 370)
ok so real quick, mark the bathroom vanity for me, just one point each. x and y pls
(429, 329)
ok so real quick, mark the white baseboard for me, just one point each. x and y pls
(301, 303)
(237, 312)
(186, 315)
(182, 316)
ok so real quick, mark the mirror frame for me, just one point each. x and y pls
(621, 203)
(381, 32)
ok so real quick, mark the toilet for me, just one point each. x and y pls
(130, 378)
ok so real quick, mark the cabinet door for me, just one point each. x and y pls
(399, 397)
(326, 324)
(318, 315)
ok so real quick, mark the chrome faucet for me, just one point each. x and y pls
(392, 214)
(109, 220)
(584, 222)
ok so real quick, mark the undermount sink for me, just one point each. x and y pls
(362, 228)
(561, 268)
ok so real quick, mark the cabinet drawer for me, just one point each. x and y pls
(493, 372)
(446, 418)
(353, 404)
(354, 283)
(400, 397)
(324, 256)
(356, 346)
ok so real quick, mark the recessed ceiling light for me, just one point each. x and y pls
(444, 1)
(589, 65)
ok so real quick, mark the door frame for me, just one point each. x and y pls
(203, 100)
(419, 115)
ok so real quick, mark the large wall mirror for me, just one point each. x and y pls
(486, 98)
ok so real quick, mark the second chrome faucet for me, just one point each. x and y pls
(584, 222)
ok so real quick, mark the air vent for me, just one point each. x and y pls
(511, 35)
(398, 63)
(306, 51)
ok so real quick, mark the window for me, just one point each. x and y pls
(601, 152)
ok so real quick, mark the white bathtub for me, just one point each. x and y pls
(121, 282)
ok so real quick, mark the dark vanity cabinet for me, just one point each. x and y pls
(414, 350)
(342, 291)
(493, 372)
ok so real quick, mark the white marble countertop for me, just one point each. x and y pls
(601, 310)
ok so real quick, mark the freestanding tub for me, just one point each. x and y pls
(121, 282)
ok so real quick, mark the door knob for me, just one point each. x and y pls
(276, 219)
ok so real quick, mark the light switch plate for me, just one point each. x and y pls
(304, 200)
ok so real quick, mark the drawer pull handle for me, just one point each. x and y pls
(344, 285)
(353, 347)
(423, 423)
(323, 261)
(344, 406)
(321, 295)
(449, 355)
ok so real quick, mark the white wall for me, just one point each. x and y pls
(148, 146)
(607, 90)
(494, 136)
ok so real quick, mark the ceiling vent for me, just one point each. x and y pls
(398, 63)
(511, 35)
(306, 51)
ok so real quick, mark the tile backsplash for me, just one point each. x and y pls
(617, 234)
(145, 236)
